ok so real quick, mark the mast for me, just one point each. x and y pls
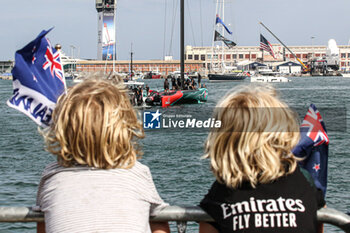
(115, 34)
(223, 34)
(182, 46)
(212, 44)
(131, 53)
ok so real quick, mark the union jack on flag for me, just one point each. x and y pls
(316, 129)
(38, 80)
(53, 62)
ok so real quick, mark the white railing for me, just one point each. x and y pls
(181, 215)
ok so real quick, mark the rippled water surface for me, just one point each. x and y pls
(173, 156)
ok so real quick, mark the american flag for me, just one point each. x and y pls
(313, 147)
(38, 80)
(266, 46)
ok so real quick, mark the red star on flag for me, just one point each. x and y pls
(34, 78)
(316, 167)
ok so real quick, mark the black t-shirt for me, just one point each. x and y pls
(289, 204)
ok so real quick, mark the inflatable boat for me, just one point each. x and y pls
(174, 97)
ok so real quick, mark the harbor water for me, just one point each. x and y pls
(174, 156)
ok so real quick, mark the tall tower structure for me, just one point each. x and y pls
(106, 43)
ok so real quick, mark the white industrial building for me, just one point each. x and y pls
(213, 56)
(290, 68)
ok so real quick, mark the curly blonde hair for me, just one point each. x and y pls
(255, 140)
(94, 124)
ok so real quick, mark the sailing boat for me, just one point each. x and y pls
(221, 72)
(183, 96)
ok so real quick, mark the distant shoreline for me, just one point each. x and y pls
(6, 77)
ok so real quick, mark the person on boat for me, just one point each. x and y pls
(193, 81)
(179, 82)
(139, 96)
(97, 183)
(166, 85)
(131, 95)
(173, 81)
(259, 186)
(147, 89)
(193, 84)
(185, 86)
(135, 96)
(199, 79)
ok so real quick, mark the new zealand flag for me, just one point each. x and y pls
(38, 80)
(313, 147)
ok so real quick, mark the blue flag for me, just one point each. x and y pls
(38, 80)
(313, 147)
(218, 20)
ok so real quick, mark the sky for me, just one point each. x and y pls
(153, 30)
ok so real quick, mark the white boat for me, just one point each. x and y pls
(77, 80)
(266, 75)
(177, 74)
(134, 83)
(138, 75)
(345, 75)
(269, 79)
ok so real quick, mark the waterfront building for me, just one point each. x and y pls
(161, 66)
(289, 67)
(212, 56)
(6, 66)
(200, 59)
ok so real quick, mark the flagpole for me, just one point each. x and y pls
(58, 48)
